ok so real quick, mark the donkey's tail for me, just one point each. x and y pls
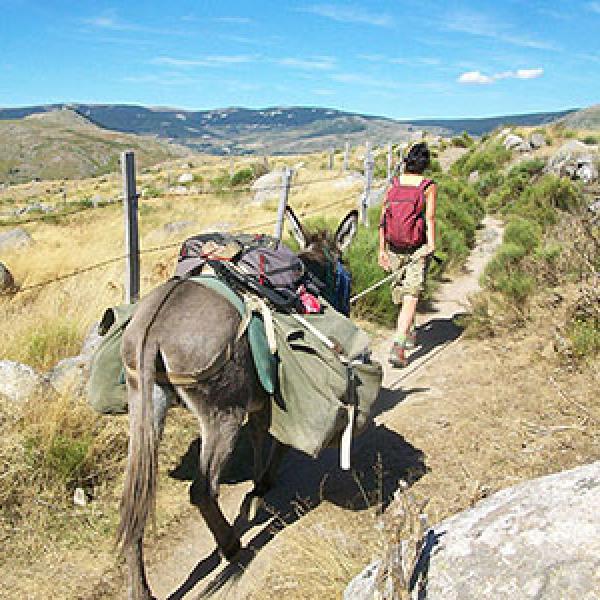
(139, 492)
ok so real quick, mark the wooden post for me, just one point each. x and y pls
(346, 155)
(286, 179)
(389, 162)
(331, 158)
(266, 162)
(401, 150)
(231, 166)
(364, 209)
(132, 246)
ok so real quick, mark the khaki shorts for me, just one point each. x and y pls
(412, 282)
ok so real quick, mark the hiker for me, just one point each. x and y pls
(407, 242)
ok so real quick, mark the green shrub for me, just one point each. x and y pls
(515, 287)
(517, 180)
(522, 232)
(221, 182)
(45, 345)
(486, 158)
(540, 200)
(488, 183)
(66, 456)
(242, 177)
(435, 168)
(584, 335)
(507, 260)
(152, 192)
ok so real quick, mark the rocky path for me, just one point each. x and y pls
(186, 565)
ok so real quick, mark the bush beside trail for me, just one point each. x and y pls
(550, 242)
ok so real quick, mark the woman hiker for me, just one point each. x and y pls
(407, 242)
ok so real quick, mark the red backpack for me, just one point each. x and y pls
(404, 222)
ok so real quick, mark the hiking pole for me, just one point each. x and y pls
(384, 281)
(373, 287)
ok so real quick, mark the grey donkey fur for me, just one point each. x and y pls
(180, 327)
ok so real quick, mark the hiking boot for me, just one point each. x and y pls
(411, 340)
(398, 356)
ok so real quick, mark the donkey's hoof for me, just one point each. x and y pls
(234, 547)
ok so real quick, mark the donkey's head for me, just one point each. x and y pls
(320, 246)
(322, 252)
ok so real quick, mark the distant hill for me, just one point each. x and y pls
(63, 144)
(276, 130)
(587, 118)
(484, 125)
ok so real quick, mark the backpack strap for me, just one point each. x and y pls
(425, 183)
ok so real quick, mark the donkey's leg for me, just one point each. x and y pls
(163, 397)
(219, 432)
(269, 475)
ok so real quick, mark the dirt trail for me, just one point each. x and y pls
(186, 565)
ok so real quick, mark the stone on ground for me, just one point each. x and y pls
(14, 239)
(538, 540)
(18, 382)
(7, 282)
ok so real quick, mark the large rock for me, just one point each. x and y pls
(14, 239)
(576, 160)
(540, 539)
(185, 178)
(537, 140)
(267, 187)
(70, 375)
(516, 142)
(18, 382)
(7, 282)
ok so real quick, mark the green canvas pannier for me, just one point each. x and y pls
(106, 390)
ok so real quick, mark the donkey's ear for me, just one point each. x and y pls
(297, 229)
(346, 230)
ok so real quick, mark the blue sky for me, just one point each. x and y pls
(402, 59)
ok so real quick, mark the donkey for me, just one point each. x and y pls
(184, 341)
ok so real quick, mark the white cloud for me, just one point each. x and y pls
(477, 77)
(480, 25)
(320, 63)
(529, 73)
(205, 61)
(350, 14)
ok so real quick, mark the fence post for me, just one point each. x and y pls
(364, 208)
(331, 158)
(132, 245)
(346, 155)
(286, 178)
(389, 162)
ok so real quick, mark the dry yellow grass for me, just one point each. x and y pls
(54, 443)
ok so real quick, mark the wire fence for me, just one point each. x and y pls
(110, 261)
(14, 221)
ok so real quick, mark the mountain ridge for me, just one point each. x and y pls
(271, 130)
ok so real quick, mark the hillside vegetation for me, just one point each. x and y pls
(587, 118)
(63, 144)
